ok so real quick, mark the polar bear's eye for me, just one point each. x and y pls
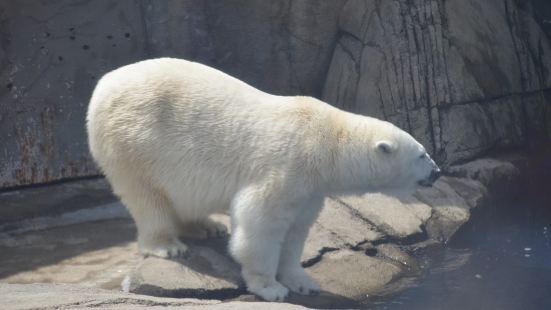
(423, 156)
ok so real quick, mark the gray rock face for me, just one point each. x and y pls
(461, 76)
(279, 46)
(51, 56)
(541, 10)
(488, 171)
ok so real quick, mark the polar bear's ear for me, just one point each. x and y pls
(386, 146)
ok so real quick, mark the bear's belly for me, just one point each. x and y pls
(197, 190)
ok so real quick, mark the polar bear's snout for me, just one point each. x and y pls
(433, 176)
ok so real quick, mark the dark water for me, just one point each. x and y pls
(500, 260)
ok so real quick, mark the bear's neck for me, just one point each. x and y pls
(348, 160)
(333, 147)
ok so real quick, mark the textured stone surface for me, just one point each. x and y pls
(475, 127)
(357, 246)
(279, 46)
(541, 10)
(51, 57)
(398, 255)
(461, 76)
(450, 209)
(207, 270)
(471, 190)
(364, 274)
(391, 216)
(203, 273)
(91, 253)
(488, 171)
(17, 205)
(59, 296)
(52, 54)
(338, 226)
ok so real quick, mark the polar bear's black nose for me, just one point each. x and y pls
(435, 174)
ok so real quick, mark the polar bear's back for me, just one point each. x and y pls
(187, 127)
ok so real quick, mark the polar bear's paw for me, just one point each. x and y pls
(299, 282)
(204, 230)
(272, 292)
(165, 250)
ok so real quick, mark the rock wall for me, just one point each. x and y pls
(280, 46)
(463, 76)
(51, 55)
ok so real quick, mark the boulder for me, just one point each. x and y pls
(472, 191)
(364, 274)
(395, 218)
(450, 210)
(488, 171)
(337, 226)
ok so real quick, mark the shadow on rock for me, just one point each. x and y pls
(206, 271)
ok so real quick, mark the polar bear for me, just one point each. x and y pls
(179, 141)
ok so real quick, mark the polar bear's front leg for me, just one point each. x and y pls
(290, 271)
(260, 224)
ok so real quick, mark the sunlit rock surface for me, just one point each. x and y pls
(359, 246)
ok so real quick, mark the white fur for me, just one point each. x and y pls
(179, 141)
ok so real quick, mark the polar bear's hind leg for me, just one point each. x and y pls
(158, 226)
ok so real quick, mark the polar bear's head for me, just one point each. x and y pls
(400, 163)
(386, 159)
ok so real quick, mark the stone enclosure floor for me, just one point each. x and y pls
(95, 254)
(78, 234)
